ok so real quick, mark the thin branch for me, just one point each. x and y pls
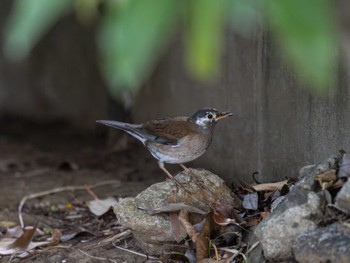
(97, 258)
(57, 190)
(136, 253)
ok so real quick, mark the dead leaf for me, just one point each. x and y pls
(326, 179)
(202, 242)
(270, 186)
(178, 230)
(225, 215)
(250, 201)
(184, 220)
(14, 232)
(7, 224)
(4, 246)
(223, 221)
(235, 253)
(175, 207)
(101, 206)
(24, 240)
(253, 221)
(264, 214)
(11, 246)
(55, 238)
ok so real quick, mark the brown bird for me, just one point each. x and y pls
(175, 140)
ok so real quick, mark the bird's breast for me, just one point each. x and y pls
(187, 149)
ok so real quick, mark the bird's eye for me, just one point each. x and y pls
(209, 116)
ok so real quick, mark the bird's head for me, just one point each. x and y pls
(207, 118)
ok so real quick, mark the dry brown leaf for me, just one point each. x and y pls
(253, 221)
(24, 240)
(264, 214)
(178, 230)
(184, 220)
(326, 179)
(225, 215)
(7, 224)
(203, 238)
(270, 186)
(223, 221)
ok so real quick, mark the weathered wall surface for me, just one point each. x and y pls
(280, 126)
(170, 92)
(59, 80)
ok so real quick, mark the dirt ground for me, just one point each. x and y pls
(36, 157)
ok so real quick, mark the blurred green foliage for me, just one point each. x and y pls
(133, 33)
(28, 21)
(306, 33)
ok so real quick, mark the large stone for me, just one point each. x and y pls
(326, 244)
(152, 232)
(307, 173)
(294, 215)
(342, 201)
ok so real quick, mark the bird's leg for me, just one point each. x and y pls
(161, 166)
(189, 172)
(185, 168)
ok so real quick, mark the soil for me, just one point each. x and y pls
(37, 157)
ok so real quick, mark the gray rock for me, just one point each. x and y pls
(307, 173)
(306, 177)
(153, 232)
(295, 214)
(275, 203)
(327, 244)
(255, 255)
(342, 200)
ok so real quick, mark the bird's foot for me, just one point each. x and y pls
(192, 176)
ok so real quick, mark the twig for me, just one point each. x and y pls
(117, 236)
(57, 190)
(234, 251)
(90, 192)
(136, 253)
(109, 240)
(253, 247)
(98, 258)
(216, 252)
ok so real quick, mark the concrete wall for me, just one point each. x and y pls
(59, 80)
(280, 126)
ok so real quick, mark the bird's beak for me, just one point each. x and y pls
(224, 115)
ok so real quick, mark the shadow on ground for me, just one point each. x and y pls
(37, 157)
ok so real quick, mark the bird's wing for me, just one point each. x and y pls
(169, 131)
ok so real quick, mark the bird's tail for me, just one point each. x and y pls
(132, 129)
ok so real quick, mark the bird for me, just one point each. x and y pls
(176, 140)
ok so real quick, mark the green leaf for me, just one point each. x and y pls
(28, 21)
(205, 35)
(131, 36)
(306, 33)
(244, 15)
